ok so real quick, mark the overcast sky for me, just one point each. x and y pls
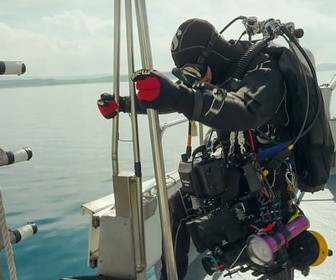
(57, 38)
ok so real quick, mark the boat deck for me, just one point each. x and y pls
(320, 208)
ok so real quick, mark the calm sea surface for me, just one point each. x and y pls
(71, 165)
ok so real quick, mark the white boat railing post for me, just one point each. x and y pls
(136, 199)
(116, 85)
(154, 128)
(327, 90)
(127, 187)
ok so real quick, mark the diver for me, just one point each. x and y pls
(247, 115)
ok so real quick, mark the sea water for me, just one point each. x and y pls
(71, 165)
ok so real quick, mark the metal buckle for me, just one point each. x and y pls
(217, 103)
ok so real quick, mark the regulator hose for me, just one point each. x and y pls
(247, 58)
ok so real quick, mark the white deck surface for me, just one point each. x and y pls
(320, 208)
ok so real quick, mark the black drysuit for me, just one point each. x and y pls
(259, 104)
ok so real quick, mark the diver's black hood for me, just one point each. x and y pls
(191, 40)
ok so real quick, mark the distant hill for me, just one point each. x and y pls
(11, 82)
(51, 82)
(36, 82)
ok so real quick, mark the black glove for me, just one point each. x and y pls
(108, 106)
(155, 90)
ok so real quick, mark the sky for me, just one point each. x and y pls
(75, 38)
